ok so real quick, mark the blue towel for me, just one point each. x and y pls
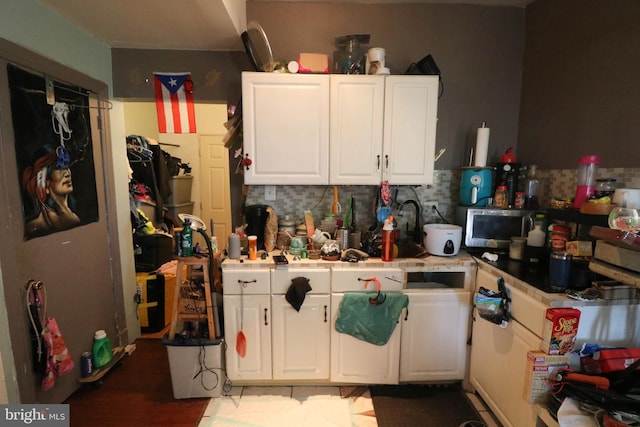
(373, 323)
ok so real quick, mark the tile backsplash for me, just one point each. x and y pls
(293, 200)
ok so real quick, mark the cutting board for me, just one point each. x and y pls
(618, 256)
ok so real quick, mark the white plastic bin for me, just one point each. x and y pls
(189, 376)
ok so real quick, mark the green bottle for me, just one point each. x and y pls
(187, 239)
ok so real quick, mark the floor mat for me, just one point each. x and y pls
(422, 405)
(298, 406)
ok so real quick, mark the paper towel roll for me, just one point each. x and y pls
(482, 146)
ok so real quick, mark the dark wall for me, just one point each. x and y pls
(215, 75)
(580, 90)
(478, 49)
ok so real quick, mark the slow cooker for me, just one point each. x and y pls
(442, 239)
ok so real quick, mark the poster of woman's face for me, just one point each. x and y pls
(54, 152)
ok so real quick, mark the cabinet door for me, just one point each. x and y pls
(498, 367)
(356, 117)
(410, 115)
(357, 361)
(434, 336)
(301, 338)
(251, 314)
(286, 128)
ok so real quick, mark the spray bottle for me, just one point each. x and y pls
(387, 239)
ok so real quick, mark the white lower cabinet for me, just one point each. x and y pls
(354, 360)
(301, 339)
(247, 308)
(357, 361)
(498, 367)
(499, 355)
(434, 335)
(251, 315)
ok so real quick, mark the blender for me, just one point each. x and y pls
(587, 168)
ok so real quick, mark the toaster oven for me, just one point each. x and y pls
(491, 227)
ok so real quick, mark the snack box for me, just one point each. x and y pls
(579, 248)
(610, 360)
(540, 367)
(559, 330)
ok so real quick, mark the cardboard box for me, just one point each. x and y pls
(313, 63)
(579, 248)
(559, 330)
(540, 367)
(610, 360)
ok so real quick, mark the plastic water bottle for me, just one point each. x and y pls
(101, 349)
(187, 239)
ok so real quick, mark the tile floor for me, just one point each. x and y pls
(362, 402)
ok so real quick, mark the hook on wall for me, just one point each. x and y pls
(36, 284)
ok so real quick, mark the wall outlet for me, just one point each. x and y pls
(429, 214)
(270, 192)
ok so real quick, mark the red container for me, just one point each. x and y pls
(610, 360)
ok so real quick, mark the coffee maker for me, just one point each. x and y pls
(507, 172)
(256, 218)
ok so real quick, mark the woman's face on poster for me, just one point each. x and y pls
(60, 182)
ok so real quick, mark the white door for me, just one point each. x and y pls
(251, 315)
(356, 117)
(357, 361)
(215, 200)
(301, 339)
(411, 108)
(286, 128)
(434, 336)
(78, 266)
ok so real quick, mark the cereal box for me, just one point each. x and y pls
(540, 367)
(560, 330)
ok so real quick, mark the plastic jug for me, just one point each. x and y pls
(102, 352)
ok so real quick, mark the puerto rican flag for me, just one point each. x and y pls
(174, 102)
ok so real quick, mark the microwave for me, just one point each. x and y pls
(491, 227)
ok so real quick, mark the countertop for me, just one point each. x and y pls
(534, 282)
(463, 259)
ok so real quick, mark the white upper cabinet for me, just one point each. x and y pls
(356, 119)
(383, 127)
(286, 128)
(410, 116)
(339, 129)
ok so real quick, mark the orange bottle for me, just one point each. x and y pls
(387, 239)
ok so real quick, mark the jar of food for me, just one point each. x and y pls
(559, 237)
(520, 199)
(500, 198)
(516, 247)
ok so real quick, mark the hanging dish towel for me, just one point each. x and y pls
(373, 323)
(297, 291)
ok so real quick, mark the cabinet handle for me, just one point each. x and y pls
(406, 314)
(386, 162)
(266, 323)
(325, 314)
(246, 282)
(378, 163)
